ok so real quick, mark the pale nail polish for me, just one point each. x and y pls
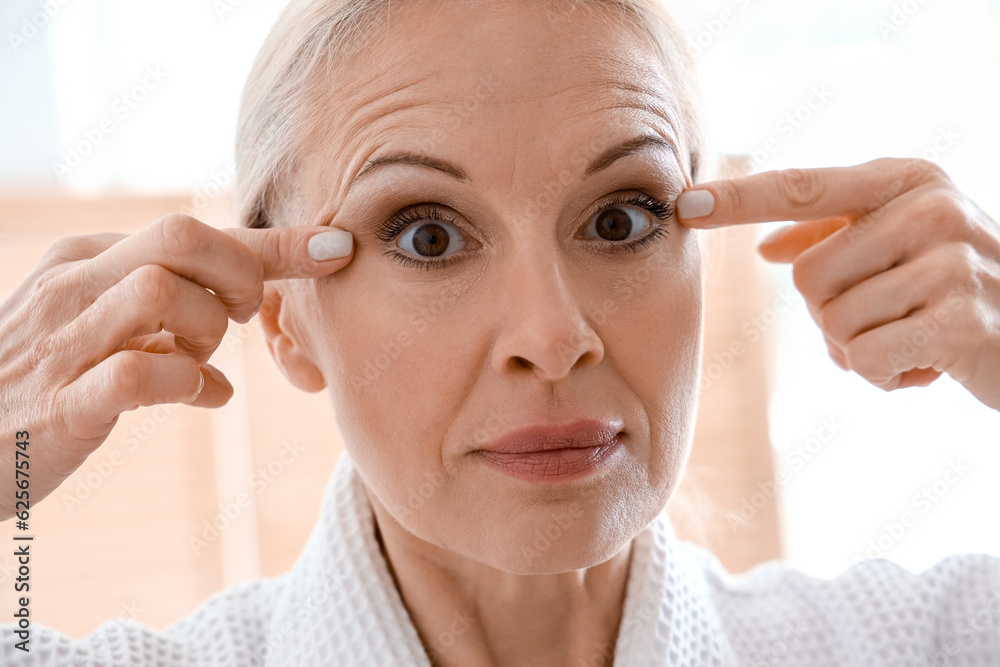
(331, 245)
(695, 204)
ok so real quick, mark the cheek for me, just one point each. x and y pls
(653, 340)
(399, 356)
(650, 320)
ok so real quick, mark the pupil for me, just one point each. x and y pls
(425, 240)
(616, 223)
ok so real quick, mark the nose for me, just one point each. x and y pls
(544, 328)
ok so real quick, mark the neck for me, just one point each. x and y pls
(471, 614)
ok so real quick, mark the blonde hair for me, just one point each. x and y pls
(280, 107)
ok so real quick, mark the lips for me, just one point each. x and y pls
(580, 434)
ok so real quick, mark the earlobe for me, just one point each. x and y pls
(283, 341)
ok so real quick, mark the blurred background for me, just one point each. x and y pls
(114, 113)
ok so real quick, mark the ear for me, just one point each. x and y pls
(284, 342)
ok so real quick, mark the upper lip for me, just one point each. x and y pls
(545, 437)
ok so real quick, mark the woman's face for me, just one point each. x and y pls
(539, 312)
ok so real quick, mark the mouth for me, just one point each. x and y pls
(547, 453)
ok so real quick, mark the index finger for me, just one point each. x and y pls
(803, 194)
(232, 262)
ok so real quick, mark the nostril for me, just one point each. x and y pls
(522, 362)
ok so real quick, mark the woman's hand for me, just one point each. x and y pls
(108, 322)
(898, 268)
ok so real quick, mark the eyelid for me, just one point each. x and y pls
(411, 217)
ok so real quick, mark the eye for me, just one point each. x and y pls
(617, 223)
(423, 232)
(627, 216)
(432, 239)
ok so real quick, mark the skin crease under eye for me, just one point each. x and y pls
(420, 367)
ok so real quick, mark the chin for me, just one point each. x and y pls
(557, 544)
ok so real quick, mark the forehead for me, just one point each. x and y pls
(502, 84)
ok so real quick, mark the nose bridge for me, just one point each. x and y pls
(543, 319)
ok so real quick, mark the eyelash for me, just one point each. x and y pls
(403, 220)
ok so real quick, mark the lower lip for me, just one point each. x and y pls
(556, 465)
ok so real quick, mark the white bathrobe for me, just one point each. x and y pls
(339, 607)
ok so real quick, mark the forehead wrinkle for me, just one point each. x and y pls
(652, 105)
(373, 126)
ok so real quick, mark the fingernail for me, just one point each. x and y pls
(774, 235)
(257, 307)
(695, 204)
(218, 376)
(331, 245)
(201, 385)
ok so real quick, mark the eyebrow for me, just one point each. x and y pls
(603, 161)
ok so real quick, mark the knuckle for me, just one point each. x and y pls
(215, 325)
(803, 277)
(285, 248)
(862, 362)
(47, 284)
(801, 187)
(125, 373)
(832, 324)
(256, 283)
(925, 171)
(180, 235)
(961, 259)
(152, 284)
(944, 211)
(63, 249)
(218, 326)
(41, 350)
